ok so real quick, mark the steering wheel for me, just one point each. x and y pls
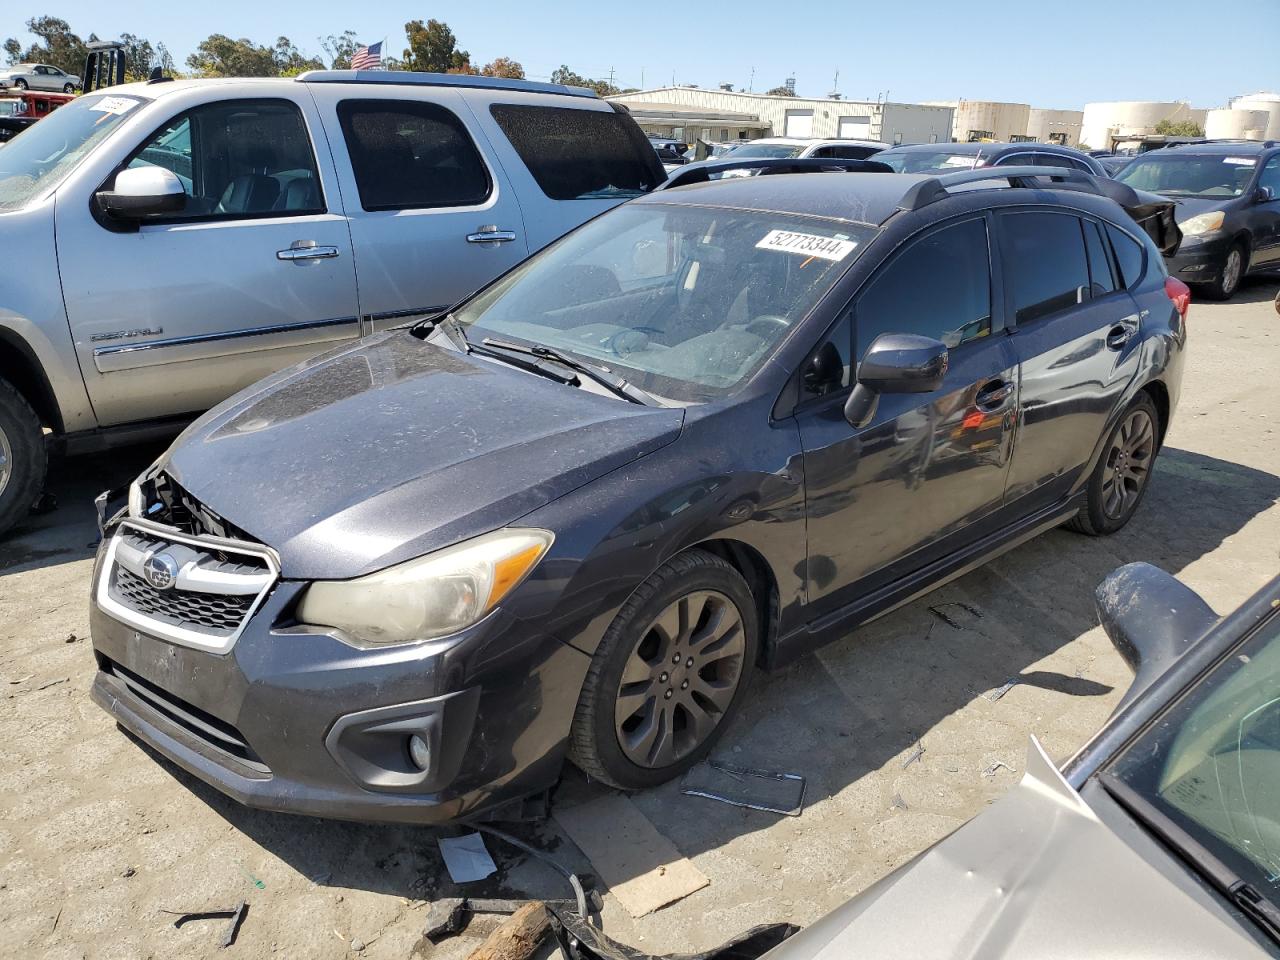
(762, 320)
(626, 342)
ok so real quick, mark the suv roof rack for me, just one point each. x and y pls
(933, 189)
(701, 172)
(409, 77)
(1260, 144)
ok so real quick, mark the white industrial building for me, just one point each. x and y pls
(986, 120)
(1106, 124)
(1267, 102)
(692, 113)
(1055, 126)
(1236, 124)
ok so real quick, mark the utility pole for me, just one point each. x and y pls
(611, 76)
(751, 84)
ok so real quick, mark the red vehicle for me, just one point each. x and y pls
(21, 108)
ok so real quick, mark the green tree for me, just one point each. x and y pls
(566, 76)
(780, 92)
(503, 67)
(290, 61)
(220, 56)
(12, 51)
(141, 56)
(1179, 128)
(434, 49)
(58, 45)
(340, 49)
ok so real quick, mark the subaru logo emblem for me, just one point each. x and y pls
(160, 570)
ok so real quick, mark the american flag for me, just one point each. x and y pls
(368, 58)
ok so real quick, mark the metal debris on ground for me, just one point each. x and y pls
(744, 787)
(466, 858)
(235, 914)
(991, 770)
(1000, 691)
(52, 683)
(448, 917)
(915, 755)
(579, 940)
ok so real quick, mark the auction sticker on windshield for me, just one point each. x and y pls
(1240, 161)
(113, 105)
(807, 244)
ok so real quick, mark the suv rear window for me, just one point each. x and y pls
(580, 154)
(409, 155)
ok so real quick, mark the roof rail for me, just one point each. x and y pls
(409, 77)
(1261, 144)
(934, 189)
(702, 171)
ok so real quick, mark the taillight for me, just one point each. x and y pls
(1179, 293)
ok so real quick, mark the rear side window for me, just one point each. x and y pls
(1101, 279)
(1129, 255)
(1044, 259)
(580, 154)
(411, 155)
(939, 287)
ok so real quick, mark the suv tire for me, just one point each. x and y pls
(714, 634)
(68, 88)
(1120, 480)
(1234, 265)
(23, 459)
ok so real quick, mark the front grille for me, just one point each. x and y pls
(168, 503)
(218, 614)
(199, 723)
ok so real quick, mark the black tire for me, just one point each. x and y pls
(1230, 275)
(20, 84)
(1100, 514)
(596, 739)
(68, 88)
(22, 445)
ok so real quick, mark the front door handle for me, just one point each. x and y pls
(306, 250)
(491, 234)
(993, 396)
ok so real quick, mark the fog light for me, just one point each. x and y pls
(419, 752)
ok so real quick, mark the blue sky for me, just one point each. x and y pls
(1051, 55)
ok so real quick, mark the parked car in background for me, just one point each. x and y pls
(1157, 841)
(18, 110)
(793, 148)
(38, 76)
(334, 206)
(671, 153)
(1113, 163)
(943, 157)
(718, 426)
(1228, 206)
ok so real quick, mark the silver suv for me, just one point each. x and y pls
(178, 240)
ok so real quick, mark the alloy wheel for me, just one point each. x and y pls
(1231, 271)
(680, 679)
(1128, 465)
(6, 461)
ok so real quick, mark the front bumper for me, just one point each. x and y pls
(295, 720)
(1197, 260)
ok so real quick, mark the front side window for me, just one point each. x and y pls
(939, 287)
(46, 153)
(1044, 259)
(1270, 176)
(686, 302)
(1177, 174)
(409, 155)
(580, 154)
(238, 159)
(1211, 763)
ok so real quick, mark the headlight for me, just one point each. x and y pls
(433, 596)
(136, 501)
(1203, 223)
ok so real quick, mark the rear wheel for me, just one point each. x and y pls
(1121, 477)
(22, 457)
(20, 84)
(68, 88)
(670, 672)
(1229, 277)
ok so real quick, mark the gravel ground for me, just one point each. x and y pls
(98, 836)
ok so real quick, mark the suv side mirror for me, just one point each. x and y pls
(1265, 195)
(143, 192)
(895, 363)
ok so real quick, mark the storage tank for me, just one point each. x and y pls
(1236, 124)
(1270, 102)
(1104, 121)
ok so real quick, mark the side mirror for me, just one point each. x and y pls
(1151, 619)
(143, 192)
(1265, 195)
(895, 363)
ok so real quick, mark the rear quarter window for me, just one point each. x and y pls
(579, 154)
(1129, 255)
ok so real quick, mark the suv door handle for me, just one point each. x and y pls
(993, 396)
(491, 234)
(306, 250)
(1122, 332)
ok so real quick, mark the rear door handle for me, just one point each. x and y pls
(1122, 332)
(306, 250)
(994, 395)
(491, 234)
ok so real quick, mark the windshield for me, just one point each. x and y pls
(685, 302)
(1212, 762)
(1189, 175)
(927, 161)
(42, 156)
(769, 151)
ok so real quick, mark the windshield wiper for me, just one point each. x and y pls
(601, 375)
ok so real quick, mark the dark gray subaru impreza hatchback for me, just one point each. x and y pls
(709, 430)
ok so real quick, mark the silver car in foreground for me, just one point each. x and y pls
(39, 76)
(1159, 840)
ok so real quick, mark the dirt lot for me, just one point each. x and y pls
(98, 836)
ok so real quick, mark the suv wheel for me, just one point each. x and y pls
(1229, 277)
(1122, 475)
(22, 457)
(670, 672)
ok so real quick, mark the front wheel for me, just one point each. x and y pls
(1121, 477)
(1229, 277)
(22, 457)
(68, 88)
(670, 672)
